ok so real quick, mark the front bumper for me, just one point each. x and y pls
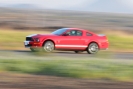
(29, 44)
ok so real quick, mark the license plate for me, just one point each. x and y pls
(26, 42)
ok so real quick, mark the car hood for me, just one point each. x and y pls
(40, 35)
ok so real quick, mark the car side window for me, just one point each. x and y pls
(79, 33)
(88, 34)
(74, 33)
(71, 33)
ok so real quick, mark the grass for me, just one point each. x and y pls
(13, 39)
(89, 69)
(121, 42)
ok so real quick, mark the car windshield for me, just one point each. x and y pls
(59, 31)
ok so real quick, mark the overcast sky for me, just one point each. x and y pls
(71, 4)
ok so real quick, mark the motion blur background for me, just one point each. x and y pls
(19, 18)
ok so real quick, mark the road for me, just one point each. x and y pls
(71, 54)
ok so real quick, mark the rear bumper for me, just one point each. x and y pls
(29, 44)
(104, 46)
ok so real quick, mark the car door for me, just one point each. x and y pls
(73, 40)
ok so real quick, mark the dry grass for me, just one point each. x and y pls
(117, 33)
(13, 39)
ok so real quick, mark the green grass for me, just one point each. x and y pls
(86, 68)
(120, 42)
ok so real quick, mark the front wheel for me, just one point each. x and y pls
(93, 48)
(48, 46)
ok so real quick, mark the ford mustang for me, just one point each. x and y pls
(68, 39)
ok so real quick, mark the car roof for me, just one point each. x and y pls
(76, 29)
(81, 30)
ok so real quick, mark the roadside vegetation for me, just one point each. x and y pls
(115, 70)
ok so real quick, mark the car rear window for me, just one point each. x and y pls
(88, 34)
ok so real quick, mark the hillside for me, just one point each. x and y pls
(23, 19)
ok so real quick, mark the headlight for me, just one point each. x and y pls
(37, 39)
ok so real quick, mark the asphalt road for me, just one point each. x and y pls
(72, 54)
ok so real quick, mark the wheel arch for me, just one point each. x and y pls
(90, 52)
(48, 40)
(94, 42)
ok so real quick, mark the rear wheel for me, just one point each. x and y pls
(48, 46)
(93, 48)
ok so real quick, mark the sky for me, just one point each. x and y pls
(79, 5)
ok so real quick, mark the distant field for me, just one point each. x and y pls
(13, 39)
(21, 19)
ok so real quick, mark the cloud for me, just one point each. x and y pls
(86, 5)
(14, 1)
(127, 3)
(52, 4)
(56, 4)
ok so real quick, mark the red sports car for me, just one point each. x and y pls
(70, 39)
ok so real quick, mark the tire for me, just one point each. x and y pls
(78, 51)
(93, 48)
(48, 46)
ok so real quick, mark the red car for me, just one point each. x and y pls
(70, 39)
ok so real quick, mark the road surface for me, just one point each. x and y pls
(72, 54)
